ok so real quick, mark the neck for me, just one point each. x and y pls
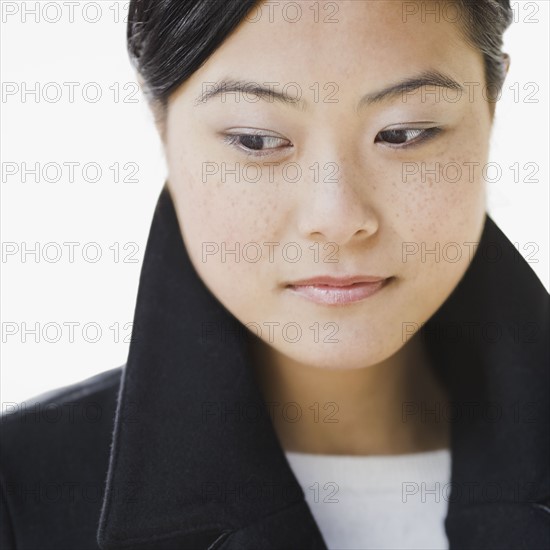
(382, 409)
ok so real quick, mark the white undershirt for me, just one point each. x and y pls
(383, 502)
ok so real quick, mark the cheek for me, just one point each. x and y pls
(440, 195)
(224, 223)
(441, 200)
(436, 216)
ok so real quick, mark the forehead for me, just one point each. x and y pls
(330, 41)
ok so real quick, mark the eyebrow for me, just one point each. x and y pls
(426, 78)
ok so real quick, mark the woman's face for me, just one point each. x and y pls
(330, 189)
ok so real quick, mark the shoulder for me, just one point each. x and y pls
(54, 457)
(88, 403)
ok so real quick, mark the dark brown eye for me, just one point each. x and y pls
(252, 142)
(256, 144)
(406, 136)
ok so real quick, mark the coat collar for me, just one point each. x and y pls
(180, 475)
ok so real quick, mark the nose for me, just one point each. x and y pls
(335, 208)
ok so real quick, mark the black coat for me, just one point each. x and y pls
(134, 457)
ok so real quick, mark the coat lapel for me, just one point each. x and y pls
(489, 343)
(184, 469)
(195, 461)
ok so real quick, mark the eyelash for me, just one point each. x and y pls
(425, 133)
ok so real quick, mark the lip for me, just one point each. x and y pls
(338, 291)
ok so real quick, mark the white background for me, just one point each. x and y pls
(107, 212)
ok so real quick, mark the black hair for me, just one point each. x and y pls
(168, 40)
